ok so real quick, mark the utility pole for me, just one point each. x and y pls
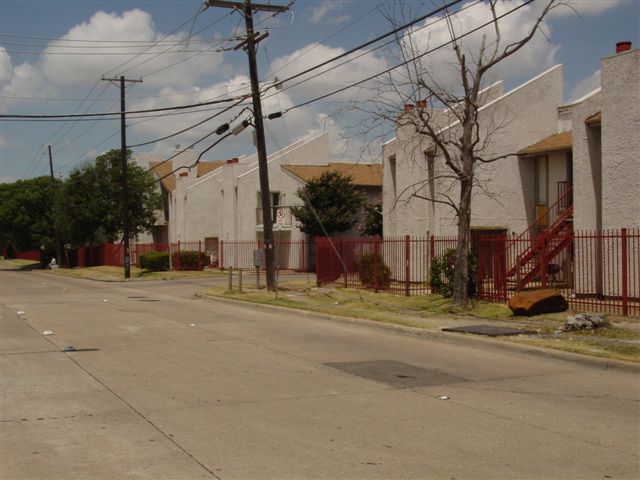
(55, 223)
(123, 177)
(247, 8)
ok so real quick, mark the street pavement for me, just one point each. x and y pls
(164, 385)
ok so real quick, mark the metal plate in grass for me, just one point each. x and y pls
(396, 374)
(488, 330)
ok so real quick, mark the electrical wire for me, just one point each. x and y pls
(416, 57)
(187, 128)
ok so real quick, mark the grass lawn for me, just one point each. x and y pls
(433, 312)
(114, 274)
(18, 264)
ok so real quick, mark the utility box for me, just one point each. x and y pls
(257, 258)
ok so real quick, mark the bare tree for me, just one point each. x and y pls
(448, 125)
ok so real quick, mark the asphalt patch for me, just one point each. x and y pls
(396, 374)
(488, 330)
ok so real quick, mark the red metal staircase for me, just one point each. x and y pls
(534, 251)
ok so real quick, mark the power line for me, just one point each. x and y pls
(371, 77)
(110, 114)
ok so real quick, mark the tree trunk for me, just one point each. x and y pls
(461, 272)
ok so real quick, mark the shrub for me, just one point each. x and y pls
(373, 272)
(155, 261)
(189, 260)
(443, 270)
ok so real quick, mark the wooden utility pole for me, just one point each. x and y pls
(248, 8)
(55, 223)
(123, 177)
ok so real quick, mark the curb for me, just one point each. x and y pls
(459, 338)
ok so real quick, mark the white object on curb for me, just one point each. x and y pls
(20, 312)
(443, 397)
(47, 332)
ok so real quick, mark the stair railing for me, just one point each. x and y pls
(560, 206)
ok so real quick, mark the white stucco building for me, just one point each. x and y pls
(591, 145)
(219, 202)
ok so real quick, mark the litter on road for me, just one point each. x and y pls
(20, 312)
(47, 332)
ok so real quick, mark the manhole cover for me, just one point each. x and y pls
(396, 374)
(489, 330)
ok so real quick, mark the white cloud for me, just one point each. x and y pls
(584, 7)
(585, 86)
(316, 82)
(442, 64)
(6, 67)
(328, 12)
(136, 26)
(23, 80)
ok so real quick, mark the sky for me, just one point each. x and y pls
(53, 55)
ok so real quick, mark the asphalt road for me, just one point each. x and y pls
(167, 386)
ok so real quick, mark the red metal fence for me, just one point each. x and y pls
(290, 255)
(593, 270)
(409, 260)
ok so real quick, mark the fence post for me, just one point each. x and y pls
(625, 286)
(179, 262)
(200, 266)
(221, 254)
(543, 262)
(432, 248)
(407, 264)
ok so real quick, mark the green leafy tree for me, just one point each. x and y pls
(26, 214)
(372, 224)
(89, 205)
(332, 199)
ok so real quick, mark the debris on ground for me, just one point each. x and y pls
(584, 321)
(70, 348)
(537, 302)
(443, 397)
(47, 332)
(20, 312)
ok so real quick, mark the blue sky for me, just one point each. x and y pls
(53, 54)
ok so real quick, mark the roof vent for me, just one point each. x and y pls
(623, 46)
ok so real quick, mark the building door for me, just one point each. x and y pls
(542, 189)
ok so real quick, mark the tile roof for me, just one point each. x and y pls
(362, 174)
(165, 169)
(594, 119)
(556, 142)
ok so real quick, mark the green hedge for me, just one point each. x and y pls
(155, 261)
(189, 260)
(443, 270)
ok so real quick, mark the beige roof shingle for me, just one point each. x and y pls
(554, 143)
(362, 174)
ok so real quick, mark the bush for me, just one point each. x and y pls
(443, 270)
(189, 260)
(373, 272)
(155, 261)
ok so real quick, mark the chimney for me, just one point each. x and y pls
(233, 160)
(623, 46)
(184, 174)
(408, 107)
(421, 104)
